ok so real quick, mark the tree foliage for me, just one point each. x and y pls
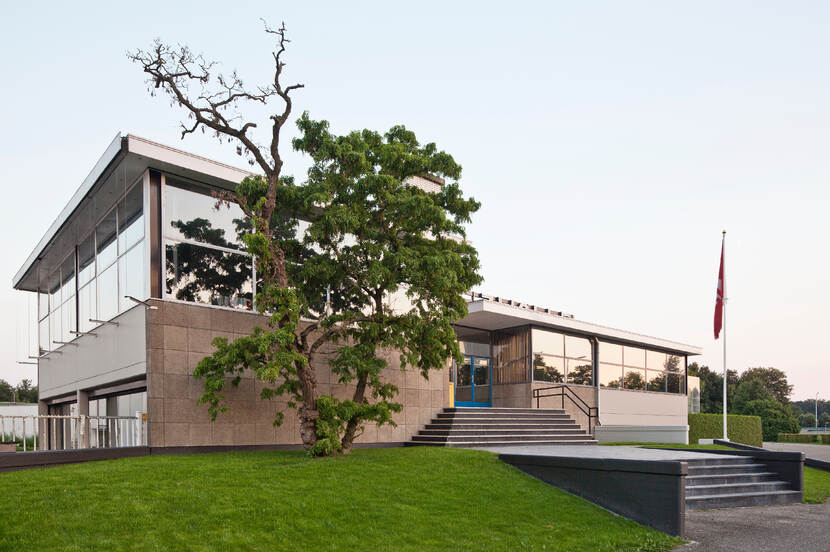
(775, 418)
(23, 392)
(773, 380)
(807, 420)
(762, 392)
(373, 240)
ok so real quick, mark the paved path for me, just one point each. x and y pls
(795, 528)
(596, 451)
(819, 452)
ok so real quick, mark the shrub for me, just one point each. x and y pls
(775, 417)
(740, 429)
(798, 438)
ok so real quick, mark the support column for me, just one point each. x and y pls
(43, 426)
(154, 217)
(83, 410)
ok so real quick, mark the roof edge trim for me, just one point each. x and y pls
(98, 169)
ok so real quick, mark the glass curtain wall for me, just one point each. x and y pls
(627, 367)
(110, 263)
(205, 259)
(560, 358)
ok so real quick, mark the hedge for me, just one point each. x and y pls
(823, 439)
(740, 429)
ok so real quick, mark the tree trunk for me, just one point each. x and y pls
(308, 412)
(351, 426)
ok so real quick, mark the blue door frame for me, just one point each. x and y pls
(476, 399)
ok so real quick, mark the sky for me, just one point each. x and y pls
(609, 143)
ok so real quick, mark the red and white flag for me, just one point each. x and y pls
(720, 293)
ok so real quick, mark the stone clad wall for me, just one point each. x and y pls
(179, 335)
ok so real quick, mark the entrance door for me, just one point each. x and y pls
(472, 382)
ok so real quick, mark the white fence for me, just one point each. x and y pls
(54, 432)
(21, 410)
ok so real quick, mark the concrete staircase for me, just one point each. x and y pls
(477, 427)
(733, 482)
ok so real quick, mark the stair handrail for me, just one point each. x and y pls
(565, 391)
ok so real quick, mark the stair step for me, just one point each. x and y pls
(726, 470)
(498, 409)
(472, 427)
(507, 415)
(736, 488)
(502, 419)
(500, 443)
(735, 500)
(498, 437)
(500, 431)
(734, 479)
(564, 424)
(727, 461)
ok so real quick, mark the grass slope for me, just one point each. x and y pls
(382, 499)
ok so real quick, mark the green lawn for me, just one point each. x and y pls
(383, 499)
(816, 486)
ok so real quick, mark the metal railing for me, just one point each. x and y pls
(59, 432)
(564, 391)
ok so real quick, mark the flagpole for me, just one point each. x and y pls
(723, 291)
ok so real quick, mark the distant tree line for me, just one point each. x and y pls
(23, 392)
(762, 392)
(808, 417)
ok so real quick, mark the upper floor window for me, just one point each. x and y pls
(204, 254)
(190, 213)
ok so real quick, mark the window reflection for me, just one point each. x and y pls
(131, 276)
(87, 306)
(86, 260)
(548, 368)
(635, 357)
(131, 219)
(108, 293)
(635, 378)
(105, 242)
(656, 381)
(610, 375)
(207, 275)
(580, 372)
(190, 215)
(561, 358)
(637, 368)
(110, 264)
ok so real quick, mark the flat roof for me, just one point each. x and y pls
(492, 315)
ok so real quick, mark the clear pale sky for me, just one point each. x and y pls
(609, 143)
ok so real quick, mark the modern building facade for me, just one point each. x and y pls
(139, 273)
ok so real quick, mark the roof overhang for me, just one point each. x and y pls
(125, 159)
(489, 315)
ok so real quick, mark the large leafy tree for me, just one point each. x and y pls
(372, 236)
(773, 380)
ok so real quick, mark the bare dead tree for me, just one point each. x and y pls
(212, 101)
(188, 79)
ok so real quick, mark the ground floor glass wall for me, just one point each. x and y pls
(627, 367)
